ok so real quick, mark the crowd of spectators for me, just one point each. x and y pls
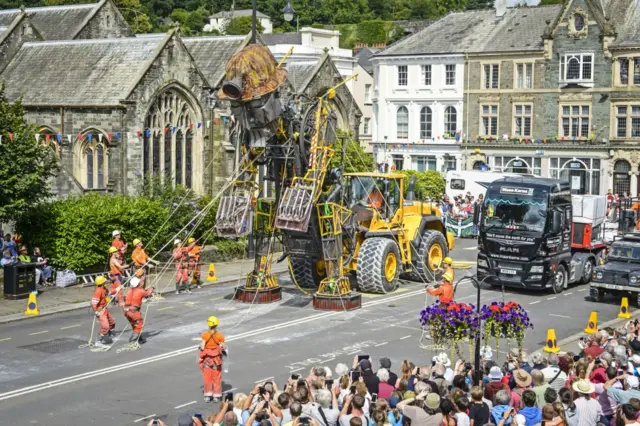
(13, 253)
(597, 387)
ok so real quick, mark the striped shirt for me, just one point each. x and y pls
(589, 411)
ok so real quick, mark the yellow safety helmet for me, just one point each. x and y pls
(136, 241)
(101, 280)
(448, 260)
(447, 276)
(191, 240)
(112, 249)
(212, 321)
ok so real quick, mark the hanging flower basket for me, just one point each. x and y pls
(505, 320)
(451, 323)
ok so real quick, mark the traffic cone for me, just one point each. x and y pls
(552, 343)
(624, 309)
(592, 326)
(212, 273)
(32, 304)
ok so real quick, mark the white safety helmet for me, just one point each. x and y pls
(114, 233)
(176, 241)
(135, 282)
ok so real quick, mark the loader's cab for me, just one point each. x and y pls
(378, 193)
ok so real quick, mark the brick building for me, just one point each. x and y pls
(116, 107)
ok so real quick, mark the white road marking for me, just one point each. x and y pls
(96, 373)
(556, 315)
(471, 248)
(184, 405)
(5, 339)
(144, 418)
(297, 369)
(263, 380)
(583, 289)
(381, 344)
(405, 337)
(71, 326)
(567, 294)
(551, 298)
(218, 298)
(39, 332)
(168, 307)
(533, 303)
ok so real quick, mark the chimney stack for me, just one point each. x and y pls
(501, 7)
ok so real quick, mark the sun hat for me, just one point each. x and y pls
(522, 378)
(584, 386)
(633, 382)
(432, 401)
(495, 373)
(443, 359)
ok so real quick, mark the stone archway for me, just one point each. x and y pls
(173, 138)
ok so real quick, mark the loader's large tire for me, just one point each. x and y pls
(432, 251)
(379, 266)
(305, 272)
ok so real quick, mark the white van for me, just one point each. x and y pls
(473, 181)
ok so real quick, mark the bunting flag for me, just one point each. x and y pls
(0, 139)
(147, 133)
(47, 137)
(89, 137)
(69, 137)
(118, 135)
(79, 137)
(109, 137)
(59, 138)
(166, 130)
(215, 121)
(173, 129)
(37, 137)
(139, 133)
(199, 124)
(100, 137)
(11, 137)
(208, 124)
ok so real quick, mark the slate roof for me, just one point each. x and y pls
(625, 17)
(86, 73)
(54, 22)
(363, 58)
(283, 38)
(299, 72)
(520, 29)
(212, 53)
(238, 14)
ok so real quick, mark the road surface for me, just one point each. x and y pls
(45, 378)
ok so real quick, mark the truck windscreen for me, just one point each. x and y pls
(513, 207)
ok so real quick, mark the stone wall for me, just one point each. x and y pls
(106, 23)
(10, 45)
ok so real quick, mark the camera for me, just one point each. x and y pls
(304, 420)
(295, 376)
(598, 360)
(329, 383)
(468, 366)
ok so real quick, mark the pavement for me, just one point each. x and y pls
(46, 378)
(54, 300)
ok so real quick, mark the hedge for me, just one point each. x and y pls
(76, 232)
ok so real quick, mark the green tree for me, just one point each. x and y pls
(423, 9)
(548, 2)
(241, 26)
(197, 19)
(25, 166)
(428, 184)
(479, 4)
(355, 158)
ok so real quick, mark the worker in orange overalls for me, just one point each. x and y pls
(99, 303)
(116, 273)
(194, 261)
(141, 260)
(132, 306)
(212, 348)
(447, 267)
(180, 256)
(375, 198)
(444, 292)
(117, 240)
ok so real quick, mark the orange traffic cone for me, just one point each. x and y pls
(592, 326)
(624, 309)
(552, 343)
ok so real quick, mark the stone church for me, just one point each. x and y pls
(116, 107)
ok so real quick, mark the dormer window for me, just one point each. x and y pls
(578, 22)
